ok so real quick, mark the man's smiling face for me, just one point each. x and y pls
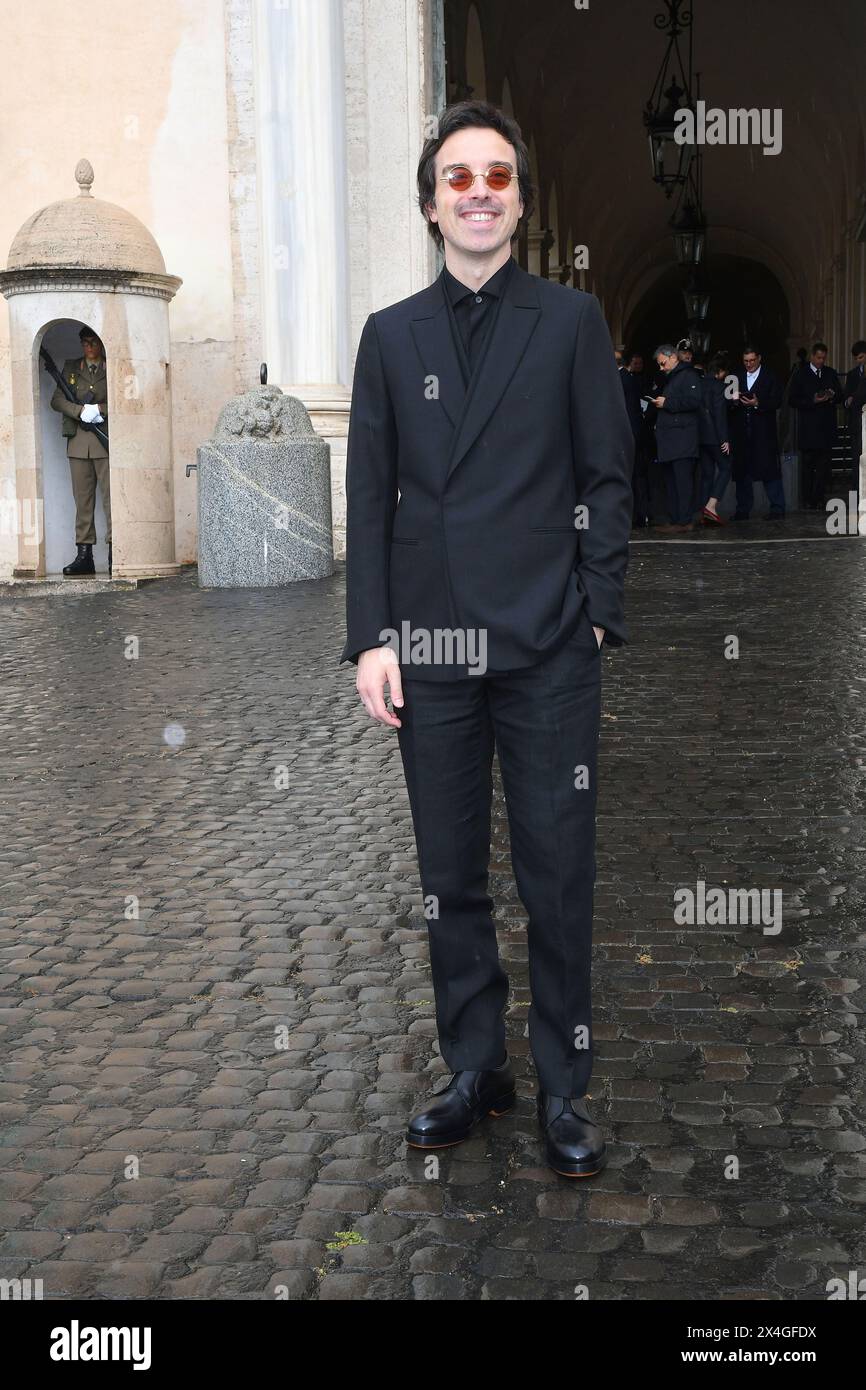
(481, 219)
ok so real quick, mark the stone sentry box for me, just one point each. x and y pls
(264, 495)
(83, 260)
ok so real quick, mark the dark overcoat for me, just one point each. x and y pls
(754, 430)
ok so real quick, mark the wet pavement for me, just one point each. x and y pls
(215, 1002)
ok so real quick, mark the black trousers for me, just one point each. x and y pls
(681, 489)
(543, 722)
(640, 487)
(817, 466)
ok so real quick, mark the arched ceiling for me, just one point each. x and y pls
(579, 79)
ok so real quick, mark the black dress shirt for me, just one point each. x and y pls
(473, 312)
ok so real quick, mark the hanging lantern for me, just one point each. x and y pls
(690, 235)
(670, 159)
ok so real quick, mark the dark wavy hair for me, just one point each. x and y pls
(459, 116)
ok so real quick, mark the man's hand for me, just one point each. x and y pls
(659, 402)
(89, 413)
(377, 668)
(599, 633)
(726, 448)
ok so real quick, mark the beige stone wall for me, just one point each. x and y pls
(165, 114)
(145, 102)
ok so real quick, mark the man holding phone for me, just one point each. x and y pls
(814, 393)
(677, 433)
(754, 436)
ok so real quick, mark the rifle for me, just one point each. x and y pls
(101, 431)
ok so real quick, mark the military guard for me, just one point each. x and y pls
(88, 456)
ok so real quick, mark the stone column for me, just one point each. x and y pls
(394, 64)
(300, 122)
(301, 152)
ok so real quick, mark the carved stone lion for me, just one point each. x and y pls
(264, 413)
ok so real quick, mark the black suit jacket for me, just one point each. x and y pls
(754, 429)
(855, 386)
(631, 392)
(713, 416)
(678, 421)
(483, 535)
(816, 424)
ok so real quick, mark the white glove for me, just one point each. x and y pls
(89, 413)
(98, 419)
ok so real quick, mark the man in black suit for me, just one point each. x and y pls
(855, 399)
(491, 402)
(640, 479)
(814, 393)
(646, 462)
(677, 433)
(754, 434)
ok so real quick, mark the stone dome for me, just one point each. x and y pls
(85, 233)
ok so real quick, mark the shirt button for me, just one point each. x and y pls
(478, 299)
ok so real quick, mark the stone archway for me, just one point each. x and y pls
(747, 304)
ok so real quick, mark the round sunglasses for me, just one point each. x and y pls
(461, 179)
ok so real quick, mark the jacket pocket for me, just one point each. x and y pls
(404, 540)
(571, 529)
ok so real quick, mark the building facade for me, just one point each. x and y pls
(268, 148)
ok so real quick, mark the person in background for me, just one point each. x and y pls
(650, 381)
(754, 436)
(88, 456)
(633, 403)
(677, 440)
(715, 445)
(637, 368)
(814, 393)
(855, 399)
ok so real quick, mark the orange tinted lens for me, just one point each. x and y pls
(498, 177)
(460, 178)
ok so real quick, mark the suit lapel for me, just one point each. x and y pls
(516, 321)
(431, 330)
(469, 409)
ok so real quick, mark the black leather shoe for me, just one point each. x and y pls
(83, 562)
(109, 557)
(575, 1147)
(468, 1097)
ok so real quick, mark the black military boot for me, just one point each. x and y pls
(109, 557)
(83, 562)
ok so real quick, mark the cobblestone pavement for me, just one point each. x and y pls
(208, 1099)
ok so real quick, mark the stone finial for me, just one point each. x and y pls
(265, 413)
(84, 177)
